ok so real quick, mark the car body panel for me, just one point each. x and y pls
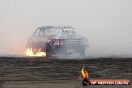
(57, 39)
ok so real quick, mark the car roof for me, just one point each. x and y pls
(59, 27)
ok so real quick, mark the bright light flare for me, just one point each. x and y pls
(38, 53)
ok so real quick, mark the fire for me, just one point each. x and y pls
(84, 73)
(38, 53)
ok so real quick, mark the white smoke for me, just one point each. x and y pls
(106, 24)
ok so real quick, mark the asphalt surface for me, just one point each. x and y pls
(34, 72)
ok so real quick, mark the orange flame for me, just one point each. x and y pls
(84, 73)
(39, 53)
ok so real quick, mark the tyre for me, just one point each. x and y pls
(48, 51)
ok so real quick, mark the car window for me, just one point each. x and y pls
(42, 32)
(56, 32)
(68, 34)
(53, 31)
(36, 33)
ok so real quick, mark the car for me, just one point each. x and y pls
(57, 40)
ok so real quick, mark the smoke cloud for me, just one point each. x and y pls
(106, 23)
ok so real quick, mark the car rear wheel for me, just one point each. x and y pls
(48, 51)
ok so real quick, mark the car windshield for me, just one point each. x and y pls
(60, 33)
(53, 31)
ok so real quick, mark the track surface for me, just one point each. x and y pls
(49, 73)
